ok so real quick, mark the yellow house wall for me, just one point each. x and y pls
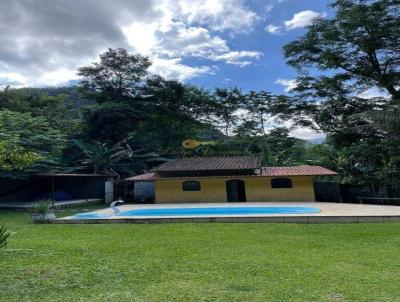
(258, 189)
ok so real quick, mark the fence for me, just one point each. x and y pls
(336, 192)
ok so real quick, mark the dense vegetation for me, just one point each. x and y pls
(121, 119)
(199, 262)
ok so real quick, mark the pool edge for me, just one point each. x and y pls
(239, 219)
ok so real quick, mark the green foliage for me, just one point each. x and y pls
(354, 51)
(387, 119)
(43, 206)
(102, 158)
(29, 142)
(228, 102)
(117, 76)
(14, 157)
(4, 235)
(58, 106)
(110, 121)
(360, 44)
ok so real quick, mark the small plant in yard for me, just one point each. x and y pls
(43, 211)
(4, 234)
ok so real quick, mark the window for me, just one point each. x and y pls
(281, 183)
(191, 186)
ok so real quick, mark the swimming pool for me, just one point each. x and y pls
(203, 211)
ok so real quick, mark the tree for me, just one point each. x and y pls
(29, 142)
(110, 122)
(387, 120)
(228, 102)
(53, 104)
(14, 157)
(176, 112)
(115, 159)
(360, 46)
(117, 76)
(116, 83)
(102, 158)
(339, 59)
(258, 105)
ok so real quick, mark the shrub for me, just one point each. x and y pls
(4, 234)
(43, 206)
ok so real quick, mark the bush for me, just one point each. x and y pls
(43, 206)
(4, 234)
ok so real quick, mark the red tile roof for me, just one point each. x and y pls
(210, 164)
(296, 171)
(145, 176)
(265, 171)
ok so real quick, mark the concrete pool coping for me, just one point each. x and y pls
(330, 213)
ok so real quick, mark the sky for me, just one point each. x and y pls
(211, 43)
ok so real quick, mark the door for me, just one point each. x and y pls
(235, 190)
(109, 191)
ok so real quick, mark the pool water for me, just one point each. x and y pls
(205, 211)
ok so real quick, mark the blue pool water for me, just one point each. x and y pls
(91, 215)
(206, 211)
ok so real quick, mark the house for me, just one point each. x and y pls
(229, 179)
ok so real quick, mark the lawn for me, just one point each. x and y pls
(199, 262)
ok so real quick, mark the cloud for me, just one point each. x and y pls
(273, 29)
(179, 39)
(220, 15)
(302, 19)
(289, 84)
(43, 42)
(268, 8)
(240, 58)
(174, 69)
(307, 134)
(299, 20)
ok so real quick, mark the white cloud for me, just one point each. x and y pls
(180, 40)
(240, 58)
(174, 69)
(289, 84)
(273, 29)
(302, 19)
(221, 15)
(268, 8)
(12, 78)
(306, 133)
(169, 40)
(43, 44)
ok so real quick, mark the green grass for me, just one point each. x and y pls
(199, 262)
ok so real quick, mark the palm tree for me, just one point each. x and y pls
(387, 119)
(101, 157)
(114, 159)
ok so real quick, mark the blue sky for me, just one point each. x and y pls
(271, 66)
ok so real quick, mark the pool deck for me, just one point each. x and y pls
(330, 213)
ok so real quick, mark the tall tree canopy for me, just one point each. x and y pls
(118, 75)
(360, 46)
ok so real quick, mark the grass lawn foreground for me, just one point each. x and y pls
(199, 262)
